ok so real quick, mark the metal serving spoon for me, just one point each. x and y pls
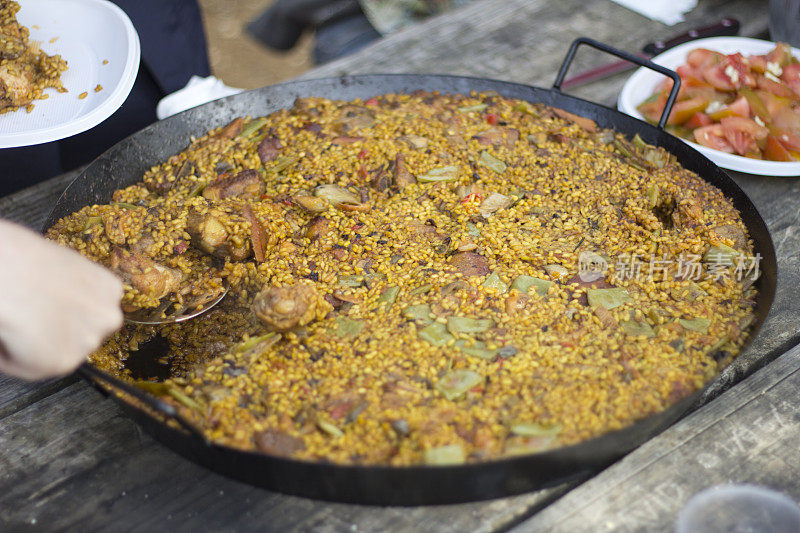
(169, 313)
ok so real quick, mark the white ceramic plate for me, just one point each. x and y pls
(644, 81)
(85, 33)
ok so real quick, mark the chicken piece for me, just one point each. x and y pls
(232, 129)
(732, 233)
(688, 214)
(317, 227)
(269, 149)
(282, 308)
(15, 86)
(354, 117)
(144, 274)
(143, 245)
(381, 179)
(277, 442)
(470, 264)
(424, 232)
(497, 135)
(401, 176)
(245, 184)
(209, 235)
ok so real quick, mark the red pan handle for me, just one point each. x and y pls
(676, 85)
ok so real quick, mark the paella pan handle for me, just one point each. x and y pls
(98, 377)
(676, 85)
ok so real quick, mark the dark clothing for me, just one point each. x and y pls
(173, 49)
(172, 40)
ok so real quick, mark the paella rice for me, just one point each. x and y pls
(408, 284)
(25, 70)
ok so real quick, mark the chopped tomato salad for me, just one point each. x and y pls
(743, 105)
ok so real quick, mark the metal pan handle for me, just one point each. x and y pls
(676, 85)
(93, 375)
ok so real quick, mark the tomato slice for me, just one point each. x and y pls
(791, 76)
(743, 134)
(775, 151)
(683, 111)
(653, 106)
(758, 63)
(739, 108)
(742, 67)
(757, 105)
(690, 77)
(773, 103)
(787, 118)
(775, 87)
(713, 137)
(702, 57)
(698, 120)
(789, 139)
(716, 76)
(781, 54)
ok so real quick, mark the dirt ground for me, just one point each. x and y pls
(238, 59)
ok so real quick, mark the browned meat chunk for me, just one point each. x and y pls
(381, 180)
(245, 184)
(269, 149)
(313, 127)
(470, 264)
(232, 129)
(688, 214)
(277, 442)
(144, 274)
(497, 135)
(354, 117)
(733, 233)
(344, 139)
(425, 231)
(15, 85)
(316, 228)
(209, 235)
(282, 308)
(258, 237)
(400, 173)
(585, 123)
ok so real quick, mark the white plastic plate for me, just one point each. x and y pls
(644, 81)
(85, 33)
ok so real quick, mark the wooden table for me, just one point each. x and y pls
(69, 458)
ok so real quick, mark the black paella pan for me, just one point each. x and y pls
(125, 163)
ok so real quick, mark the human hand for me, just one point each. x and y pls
(55, 305)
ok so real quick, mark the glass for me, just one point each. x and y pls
(739, 509)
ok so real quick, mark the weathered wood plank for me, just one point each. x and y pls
(778, 201)
(749, 434)
(16, 394)
(31, 206)
(73, 460)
